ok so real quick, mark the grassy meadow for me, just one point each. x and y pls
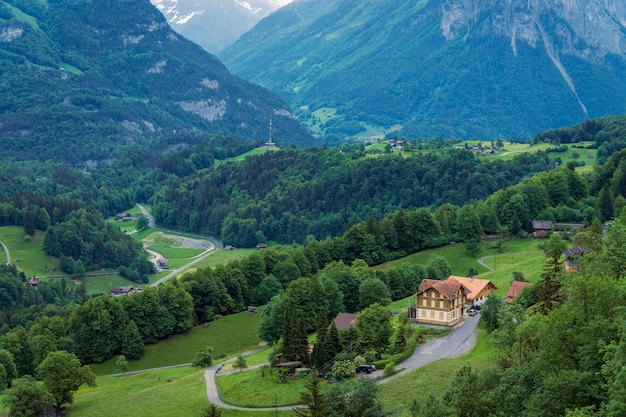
(251, 389)
(143, 395)
(228, 336)
(520, 255)
(26, 251)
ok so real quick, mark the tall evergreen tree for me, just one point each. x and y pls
(313, 399)
(332, 344)
(550, 285)
(605, 203)
(295, 343)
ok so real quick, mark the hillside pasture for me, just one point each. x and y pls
(150, 394)
(456, 255)
(228, 336)
(514, 255)
(26, 252)
(256, 151)
(252, 389)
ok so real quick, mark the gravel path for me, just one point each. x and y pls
(6, 251)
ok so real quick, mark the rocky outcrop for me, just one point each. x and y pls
(588, 29)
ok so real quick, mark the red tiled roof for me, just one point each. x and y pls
(475, 285)
(449, 288)
(515, 289)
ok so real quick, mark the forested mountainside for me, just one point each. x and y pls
(214, 24)
(81, 79)
(290, 194)
(453, 68)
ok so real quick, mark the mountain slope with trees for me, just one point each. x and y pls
(82, 79)
(463, 69)
(290, 194)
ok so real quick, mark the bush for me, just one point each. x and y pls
(389, 370)
(343, 369)
(359, 360)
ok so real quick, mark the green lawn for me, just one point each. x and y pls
(520, 255)
(26, 252)
(457, 257)
(103, 284)
(228, 336)
(222, 257)
(256, 151)
(402, 305)
(170, 252)
(251, 389)
(143, 395)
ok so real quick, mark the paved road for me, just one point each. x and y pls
(6, 251)
(460, 341)
(482, 262)
(217, 245)
(455, 344)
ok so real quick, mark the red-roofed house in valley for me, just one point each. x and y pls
(480, 289)
(344, 321)
(515, 289)
(440, 302)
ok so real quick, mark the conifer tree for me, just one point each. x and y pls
(332, 344)
(319, 357)
(605, 203)
(550, 285)
(313, 399)
(295, 342)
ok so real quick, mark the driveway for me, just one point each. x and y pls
(460, 341)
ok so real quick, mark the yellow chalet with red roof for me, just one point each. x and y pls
(440, 302)
(479, 289)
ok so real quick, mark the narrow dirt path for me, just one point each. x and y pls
(6, 251)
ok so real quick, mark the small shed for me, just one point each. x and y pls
(542, 225)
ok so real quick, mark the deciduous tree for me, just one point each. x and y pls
(204, 358)
(28, 398)
(62, 375)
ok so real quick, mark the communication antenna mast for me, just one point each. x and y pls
(270, 142)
